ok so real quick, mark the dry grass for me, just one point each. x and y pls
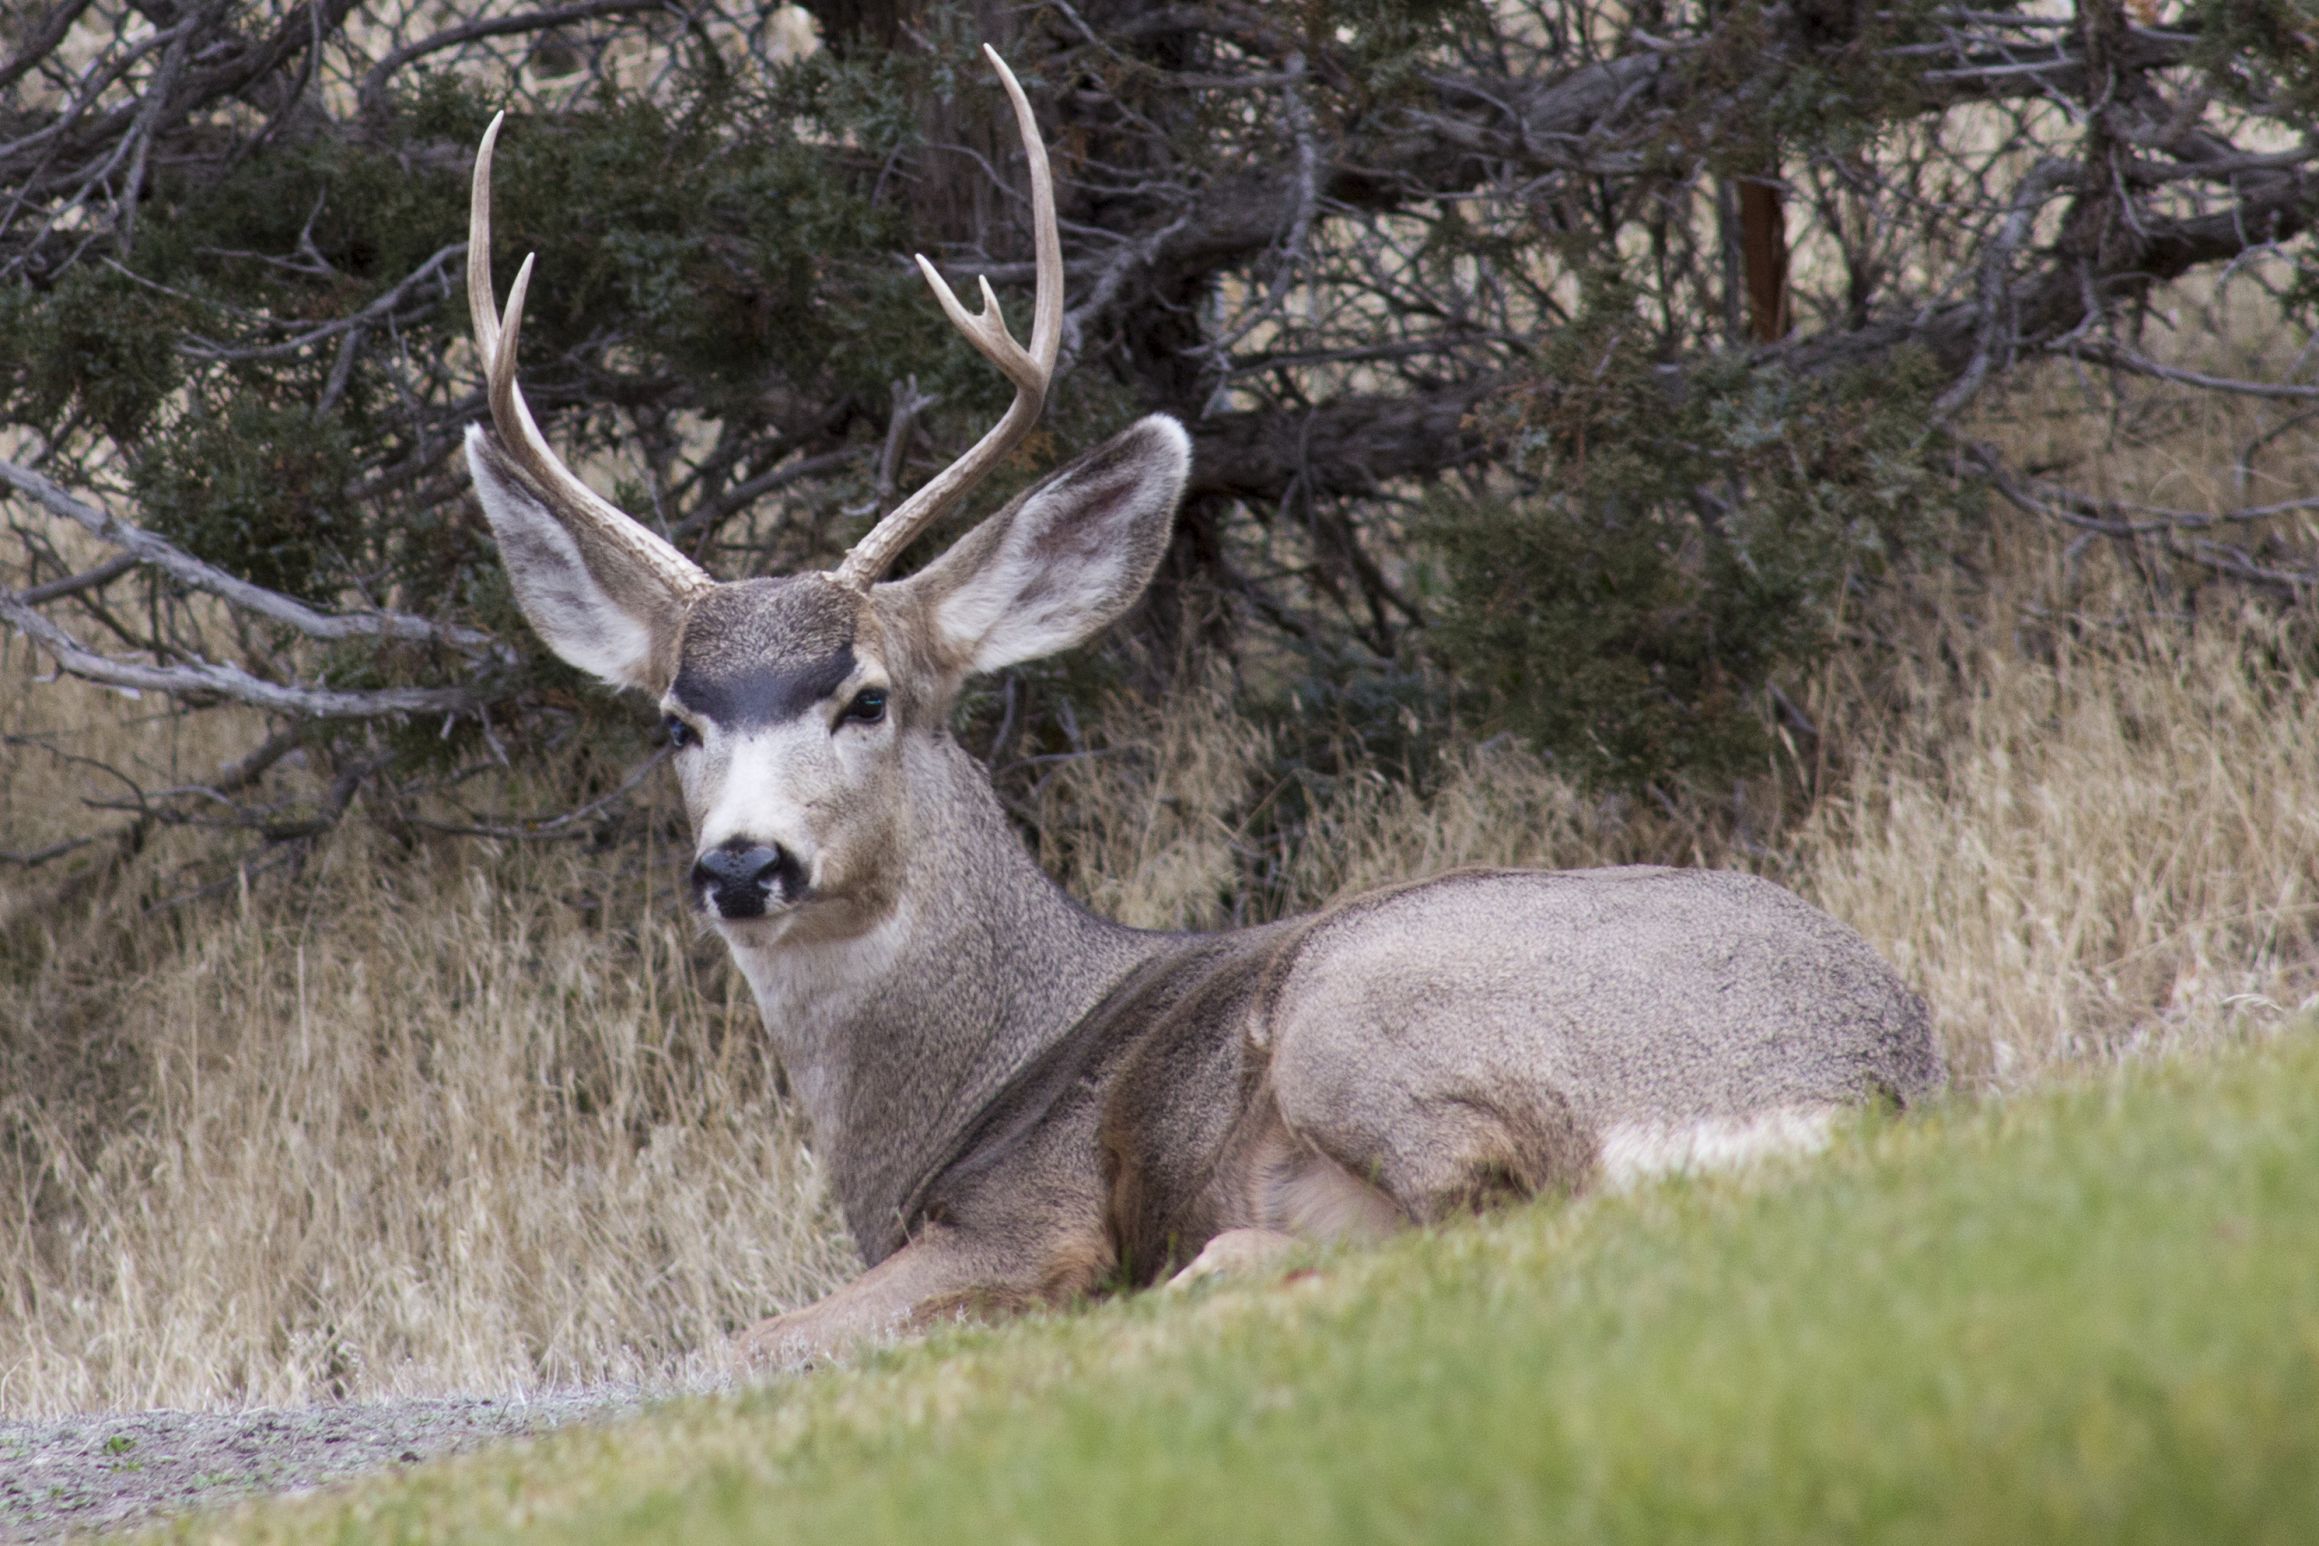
(454, 1118)
(1145, 830)
(414, 1125)
(2079, 849)
(464, 1117)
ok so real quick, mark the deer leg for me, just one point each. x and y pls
(942, 1274)
(1436, 1137)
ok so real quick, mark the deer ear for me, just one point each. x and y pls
(1064, 560)
(586, 595)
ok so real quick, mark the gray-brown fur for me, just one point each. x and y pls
(1491, 1026)
(1000, 966)
(578, 586)
(1015, 1101)
(761, 651)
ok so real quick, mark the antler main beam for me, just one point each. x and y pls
(1029, 369)
(576, 505)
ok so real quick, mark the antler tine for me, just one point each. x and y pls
(482, 310)
(576, 504)
(1030, 370)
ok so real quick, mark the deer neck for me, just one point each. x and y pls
(895, 1038)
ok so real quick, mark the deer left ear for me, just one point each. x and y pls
(1065, 560)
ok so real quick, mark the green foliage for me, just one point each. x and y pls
(100, 344)
(1391, 43)
(2260, 50)
(1674, 555)
(256, 488)
(719, 266)
(718, 244)
(1830, 99)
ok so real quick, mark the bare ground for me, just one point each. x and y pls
(114, 1471)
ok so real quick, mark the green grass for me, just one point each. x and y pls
(2091, 1314)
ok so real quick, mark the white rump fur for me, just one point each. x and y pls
(1638, 1151)
(1066, 561)
(562, 600)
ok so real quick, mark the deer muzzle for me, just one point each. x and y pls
(740, 879)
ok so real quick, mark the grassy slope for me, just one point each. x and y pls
(2087, 1314)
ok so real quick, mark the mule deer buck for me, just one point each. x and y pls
(1016, 1101)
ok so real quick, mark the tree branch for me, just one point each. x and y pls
(200, 677)
(180, 565)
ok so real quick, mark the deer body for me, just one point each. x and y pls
(1017, 1101)
(1106, 1101)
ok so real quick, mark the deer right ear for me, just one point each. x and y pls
(594, 593)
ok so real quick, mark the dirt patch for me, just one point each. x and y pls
(114, 1471)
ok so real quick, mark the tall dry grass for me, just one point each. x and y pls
(459, 1117)
(462, 1116)
(2105, 844)
(414, 1128)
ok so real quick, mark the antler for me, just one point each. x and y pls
(1030, 370)
(576, 505)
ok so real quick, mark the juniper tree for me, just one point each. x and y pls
(1553, 359)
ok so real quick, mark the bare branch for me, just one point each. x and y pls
(180, 565)
(43, 41)
(369, 316)
(88, 579)
(200, 677)
(1349, 446)
(563, 824)
(372, 93)
(2045, 179)
(2112, 353)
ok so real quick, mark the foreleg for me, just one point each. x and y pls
(943, 1273)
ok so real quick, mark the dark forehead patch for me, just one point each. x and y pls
(761, 651)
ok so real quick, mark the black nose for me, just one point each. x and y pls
(736, 877)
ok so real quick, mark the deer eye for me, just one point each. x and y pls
(677, 733)
(867, 708)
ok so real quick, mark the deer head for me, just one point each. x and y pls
(810, 713)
